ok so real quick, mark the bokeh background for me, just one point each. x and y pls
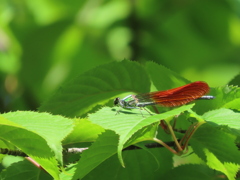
(44, 43)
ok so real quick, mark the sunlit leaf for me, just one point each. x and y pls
(126, 125)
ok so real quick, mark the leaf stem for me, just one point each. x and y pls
(165, 145)
(180, 149)
(191, 130)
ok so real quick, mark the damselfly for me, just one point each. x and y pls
(168, 98)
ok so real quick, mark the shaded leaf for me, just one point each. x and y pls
(163, 78)
(22, 170)
(96, 87)
(84, 131)
(216, 142)
(189, 172)
(235, 81)
(140, 165)
(102, 149)
(229, 169)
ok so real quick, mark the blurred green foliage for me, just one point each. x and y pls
(44, 43)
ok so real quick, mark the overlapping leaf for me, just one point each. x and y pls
(97, 86)
(52, 128)
(140, 165)
(125, 126)
(31, 143)
(225, 95)
(84, 131)
(223, 117)
(221, 144)
(102, 149)
(23, 169)
(190, 171)
(163, 78)
(229, 169)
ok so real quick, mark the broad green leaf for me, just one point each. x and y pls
(52, 128)
(84, 131)
(234, 104)
(223, 117)
(96, 87)
(225, 95)
(24, 170)
(140, 165)
(163, 78)
(103, 148)
(8, 160)
(190, 172)
(229, 169)
(125, 125)
(189, 158)
(217, 142)
(30, 143)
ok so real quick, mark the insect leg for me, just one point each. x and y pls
(118, 111)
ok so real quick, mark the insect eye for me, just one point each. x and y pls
(116, 101)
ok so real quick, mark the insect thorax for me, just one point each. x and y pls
(128, 101)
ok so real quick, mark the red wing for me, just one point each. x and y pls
(177, 96)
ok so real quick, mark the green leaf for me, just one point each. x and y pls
(52, 128)
(140, 165)
(22, 170)
(223, 117)
(163, 78)
(235, 81)
(196, 116)
(217, 142)
(68, 173)
(234, 104)
(7, 145)
(225, 95)
(8, 160)
(126, 125)
(102, 149)
(96, 87)
(84, 131)
(190, 172)
(229, 169)
(31, 143)
(144, 134)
